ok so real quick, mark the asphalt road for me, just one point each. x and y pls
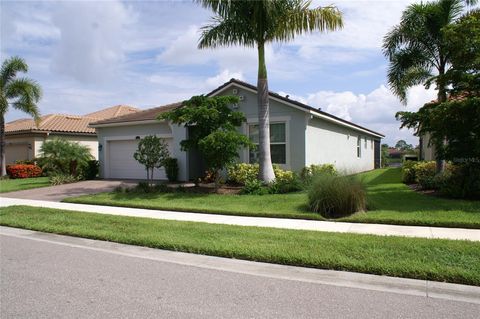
(47, 280)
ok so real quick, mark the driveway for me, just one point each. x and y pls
(59, 192)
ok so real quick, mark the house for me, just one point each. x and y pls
(24, 138)
(300, 135)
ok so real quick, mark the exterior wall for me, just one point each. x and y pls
(131, 132)
(428, 152)
(19, 148)
(90, 141)
(328, 143)
(293, 118)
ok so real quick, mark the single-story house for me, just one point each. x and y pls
(301, 135)
(24, 138)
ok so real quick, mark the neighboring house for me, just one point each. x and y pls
(24, 138)
(300, 135)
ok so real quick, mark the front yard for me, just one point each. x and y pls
(432, 259)
(389, 201)
(11, 185)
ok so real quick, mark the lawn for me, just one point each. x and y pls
(433, 259)
(389, 201)
(11, 185)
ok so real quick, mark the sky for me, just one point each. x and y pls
(88, 55)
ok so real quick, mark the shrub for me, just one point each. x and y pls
(336, 196)
(285, 185)
(90, 170)
(241, 173)
(425, 174)
(23, 171)
(254, 187)
(308, 173)
(26, 162)
(171, 169)
(63, 157)
(460, 181)
(408, 172)
(61, 179)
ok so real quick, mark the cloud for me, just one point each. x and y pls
(375, 110)
(93, 39)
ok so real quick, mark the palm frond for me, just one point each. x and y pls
(225, 32)
(26, 93)
(10, 68)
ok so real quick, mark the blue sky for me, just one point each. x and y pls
(89, 55)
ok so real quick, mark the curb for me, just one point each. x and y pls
(414, 287)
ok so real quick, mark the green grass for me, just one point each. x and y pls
(432, 259)
(11, 185)
(389, 202)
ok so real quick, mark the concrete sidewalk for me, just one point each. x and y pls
(283, 223)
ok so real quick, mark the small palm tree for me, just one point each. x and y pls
(416, 48)
(255, 24)
(21, 93)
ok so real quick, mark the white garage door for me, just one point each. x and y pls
(121, 163)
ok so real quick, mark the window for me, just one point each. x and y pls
(359, 146)
(365, 142)
(278, 144)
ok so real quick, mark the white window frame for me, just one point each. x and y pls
(273, 120)
(359, 146)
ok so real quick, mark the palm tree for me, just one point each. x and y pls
(21, 93)
(416, 48)
(254, 24)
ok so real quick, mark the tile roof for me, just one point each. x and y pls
(67, 123)
(145, 115)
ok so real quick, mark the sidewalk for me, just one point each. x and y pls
(283, 223)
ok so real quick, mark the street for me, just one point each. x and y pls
(46, 280)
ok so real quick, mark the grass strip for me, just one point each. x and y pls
(432, 259)
(12, 185)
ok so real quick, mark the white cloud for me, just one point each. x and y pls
(93, 39)
(375, 110)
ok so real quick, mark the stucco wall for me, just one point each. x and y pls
(328, 143)
(131, 132)
(295, 125)
(19, 148)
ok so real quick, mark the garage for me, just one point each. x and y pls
(121, 163)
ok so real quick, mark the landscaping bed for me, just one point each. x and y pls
(389, 202)
(429, 259)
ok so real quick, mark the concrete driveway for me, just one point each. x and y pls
(59, 192)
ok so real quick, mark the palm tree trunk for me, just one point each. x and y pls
(266, 173)
(2, 145)
(441, 97)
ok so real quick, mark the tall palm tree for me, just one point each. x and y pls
(21, 93)
(254, 24)
(416, 48)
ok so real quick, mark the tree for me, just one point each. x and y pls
(220, 148)
(463, 43)
(152, 152)
(215, 132)
(20, 93)
(62, 156)
(401, 145)
(417, 50)
(255, 24)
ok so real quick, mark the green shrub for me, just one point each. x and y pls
(425, 174)
(242, 172)
(60, 179)
(63, 157)
(171, 169)
(460, 181)
(408, 172)
(308, 173)
(254, 187)
(286, 184)
(336, 196)
(90, 169)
